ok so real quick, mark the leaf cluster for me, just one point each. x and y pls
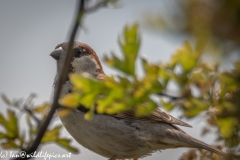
(13, 137)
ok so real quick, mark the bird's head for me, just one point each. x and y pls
(84, 60)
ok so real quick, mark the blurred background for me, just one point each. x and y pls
(30, 30)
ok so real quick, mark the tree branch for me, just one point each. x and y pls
(62, 78)
(61, 81)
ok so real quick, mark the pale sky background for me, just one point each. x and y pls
(30, 30)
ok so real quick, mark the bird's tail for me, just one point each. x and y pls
(195, 143)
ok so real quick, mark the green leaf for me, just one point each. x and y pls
(70, 100)
(89, 99)
(57, 128)
(145, 108)
(167, 106)
(108, 101)
(194, 106)
(3, 121)
(103, 104)
(230, 80)
(186, 56)
(129, 44)
(9, 144)
(84, 82)
(226, 126)
(51, 135)
(63, 112)
(2, 135)
(90, 113)
(41, 108)
(116, 108)
(12, 124)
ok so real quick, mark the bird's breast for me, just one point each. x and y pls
(105, 135)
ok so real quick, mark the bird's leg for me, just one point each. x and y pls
(113, 158)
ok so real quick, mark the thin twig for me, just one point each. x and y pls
(96, 6)
(169, 96)
(61, 81)
(30, 113)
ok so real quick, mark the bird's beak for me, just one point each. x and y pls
(57, 53)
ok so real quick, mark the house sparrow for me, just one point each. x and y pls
(120, 136)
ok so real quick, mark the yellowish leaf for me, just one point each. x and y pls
(70, 100)
(41, 108)
(63, 112)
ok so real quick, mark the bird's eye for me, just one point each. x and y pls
(78, 53)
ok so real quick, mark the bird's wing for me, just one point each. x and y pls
(156, 116)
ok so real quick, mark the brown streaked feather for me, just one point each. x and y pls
(156, 116)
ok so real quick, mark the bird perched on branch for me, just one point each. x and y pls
(120, 136)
